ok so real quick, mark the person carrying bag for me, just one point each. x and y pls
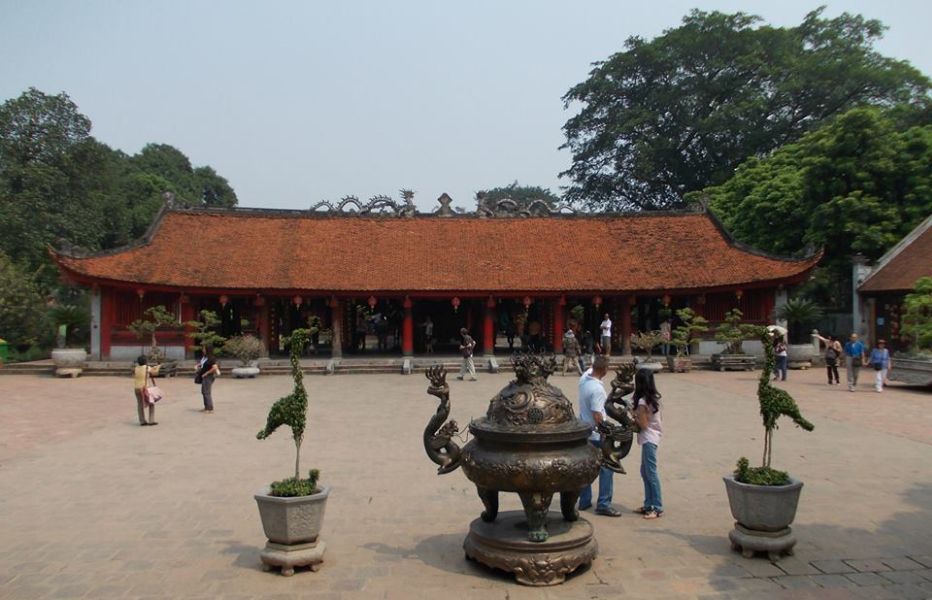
(142, 376)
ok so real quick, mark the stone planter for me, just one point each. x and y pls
(914, 371)
(243, 371)
(69, 362)
(679, 364)
(763, 515)
(734, 362)
(799, 356)
(292, 526)
(650, 365)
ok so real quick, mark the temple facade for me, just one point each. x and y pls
(375, 275)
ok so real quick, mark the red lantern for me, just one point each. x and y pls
(140, 292)
(666, 299)
(224, 299)
(456, 303)
(597, 301)
(297, 300)
(372, 302)
(738, 294)
(527, 302)
(260, 300)
(490, 303)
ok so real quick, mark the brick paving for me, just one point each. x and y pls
(94, 506)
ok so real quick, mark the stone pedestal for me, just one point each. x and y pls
(287, 557)
(774, 543)
(503, 544)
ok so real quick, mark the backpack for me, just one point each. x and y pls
(831, 353)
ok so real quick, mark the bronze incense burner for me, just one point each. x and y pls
(530, 442)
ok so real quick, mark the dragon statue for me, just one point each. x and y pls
(438, 435)
(618, 438)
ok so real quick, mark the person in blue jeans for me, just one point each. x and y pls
(592, 411)
(650, 431)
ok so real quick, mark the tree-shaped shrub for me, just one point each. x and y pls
(689, 331)
(732, 332)
(292, 411)
(246, 348)
(155, 318)
(205, 329)
(647, 341)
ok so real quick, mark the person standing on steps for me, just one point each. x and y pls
(606, 337)
(207, 372)
(592, 398)
(466, 348)
(854, 358)
(141, 374)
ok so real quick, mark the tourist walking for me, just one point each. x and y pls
(650, 430)
(592, 398)
(571, 352)
(606, 337)
(141, 374)
(779, 350)
(854, 357)
(833, 352)
(881, 363)
(466, 347)
(207, 372)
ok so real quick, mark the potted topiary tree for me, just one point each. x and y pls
(763, 500)
(247, 349)
(292, 510)
(69, 357)
(647, 341)
(800, 315)
(732, 332)
(915, 366)
(688, 332)
(154, 319)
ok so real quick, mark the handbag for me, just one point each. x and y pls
(153, 392)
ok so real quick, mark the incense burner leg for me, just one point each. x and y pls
(490, 501)
(536, 507)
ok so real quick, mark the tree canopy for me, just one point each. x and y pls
(59, 184)
(680, 112)
(522, 194)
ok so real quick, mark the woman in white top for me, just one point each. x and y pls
(650, 431)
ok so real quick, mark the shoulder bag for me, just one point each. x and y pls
(153, 392)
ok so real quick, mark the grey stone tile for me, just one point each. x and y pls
(873, 565)
(865, 579)
(902, 563)
(832, 581)
(794, 566)
(832, 566)
(792, 582)
(903, 577)
(924, 560)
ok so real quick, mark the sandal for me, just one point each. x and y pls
(641, 511)
(652, 514)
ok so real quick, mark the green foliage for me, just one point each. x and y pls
(293, 486)
(759, 475)
(799, 313)
(246, 348)
(154, 318)
(857, 185)
(523, 195)
(578, 313)
(689, 331)
(59, 186)
(917, 316)
(205, 329)
(647, 341)
(291, 410)
(22, 307)
(75, 319)
(680, 112)
(732, 332)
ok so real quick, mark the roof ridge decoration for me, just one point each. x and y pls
(507, 207)
(380, 204)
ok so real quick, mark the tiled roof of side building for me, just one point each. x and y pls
(268, 250)
(899, 272)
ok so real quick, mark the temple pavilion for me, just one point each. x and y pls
(371, 274)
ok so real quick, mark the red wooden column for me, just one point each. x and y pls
(106, 321)
(488, 328)
(558, 324)
(407, 329)
(626, 303)
(187, 314)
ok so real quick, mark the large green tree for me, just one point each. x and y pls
(523, 195)
(58, 184)
(856, 185)
(22, 308)
(680, 112)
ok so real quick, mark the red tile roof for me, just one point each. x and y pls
(898, 270)
(287, 250)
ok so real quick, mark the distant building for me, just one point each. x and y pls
(882, 287)
(499, 268)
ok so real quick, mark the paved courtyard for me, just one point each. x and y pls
(94, 506)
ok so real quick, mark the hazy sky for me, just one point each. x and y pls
(296, 102)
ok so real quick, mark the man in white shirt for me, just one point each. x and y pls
(606, 327)
(592, 411)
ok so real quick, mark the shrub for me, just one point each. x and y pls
(647, 341)
(917, 316)
(689, 331)
(246, 348)
(732, 332)
(798, 314)
(291, 487)
(759, 475)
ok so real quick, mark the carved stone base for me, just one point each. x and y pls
(68, 372)
(295, 555)
(504, 545)
(774, 543)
